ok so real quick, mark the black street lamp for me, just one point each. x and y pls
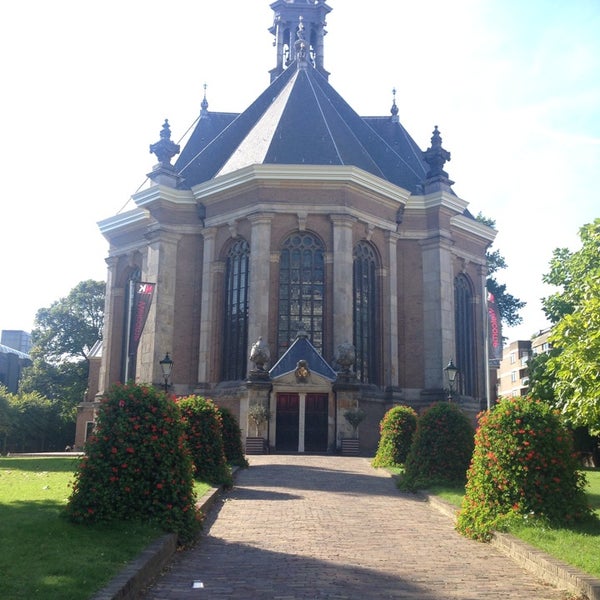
(166, 365)
(451, 373)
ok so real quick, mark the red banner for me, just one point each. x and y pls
(494, 331)
(142, 299)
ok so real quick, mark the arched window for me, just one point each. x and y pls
(129, 354)
(235, 328)
(301, 290)
(465, 334)
(364, 287)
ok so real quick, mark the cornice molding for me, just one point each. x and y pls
(303, 174)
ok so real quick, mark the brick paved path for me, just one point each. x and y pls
(315, 527)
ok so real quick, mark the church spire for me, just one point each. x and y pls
(297, 21)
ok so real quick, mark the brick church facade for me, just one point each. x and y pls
(326, 246)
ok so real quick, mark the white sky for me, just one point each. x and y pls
(513, 85)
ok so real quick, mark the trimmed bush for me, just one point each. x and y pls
(203, 429)
(137, 465)
(396, 430)
(441, 449)
(232, 439)
(523, 467)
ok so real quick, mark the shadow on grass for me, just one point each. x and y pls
(50, 557)
(50, 464)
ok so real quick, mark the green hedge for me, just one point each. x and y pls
(396, 429)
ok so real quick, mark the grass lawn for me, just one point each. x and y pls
(577, 545)
(44, 555)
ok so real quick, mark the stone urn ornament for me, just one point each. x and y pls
(260, 356)
(345, 356)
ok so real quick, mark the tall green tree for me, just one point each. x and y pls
(574, 310)
(63, 335)
(508, 305)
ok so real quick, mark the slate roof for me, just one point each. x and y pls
(300, 119)
(302, 349)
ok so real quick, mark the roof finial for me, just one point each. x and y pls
(436, 157)
(204, 104)
(301, 45)
(394, 109)
(165, 149)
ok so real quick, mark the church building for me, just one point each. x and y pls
(298, 260)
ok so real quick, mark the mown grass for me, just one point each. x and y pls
(577, 545)
(43, 554)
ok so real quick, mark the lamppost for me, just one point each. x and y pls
(166, 365)
(451, 372)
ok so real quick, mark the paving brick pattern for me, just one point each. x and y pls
(314, 527)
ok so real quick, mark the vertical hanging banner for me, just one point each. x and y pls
(494, 332)
(142, 300)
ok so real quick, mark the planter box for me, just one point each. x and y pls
(350, 447)
(255, 445)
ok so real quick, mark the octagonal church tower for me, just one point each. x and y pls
(298, 258)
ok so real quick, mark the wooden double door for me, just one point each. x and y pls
(301, 422)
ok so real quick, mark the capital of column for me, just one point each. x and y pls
(260, 218)
(340, 220)
(159, 234)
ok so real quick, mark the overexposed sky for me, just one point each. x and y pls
(514, 87)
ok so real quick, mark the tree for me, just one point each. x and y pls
(6, 418)
(508, 305)
(575, 312)
(62, 338)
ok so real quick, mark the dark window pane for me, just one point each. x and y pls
(301, 281)
(235, 326)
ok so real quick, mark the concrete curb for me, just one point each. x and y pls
(144, 569)
(543, 566)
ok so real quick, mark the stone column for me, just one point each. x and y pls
(260, 278)
(390, 312)
(110, 355)
(207, 303)
(302, 421)
(157, 337)
(342, 278)
(438, 308)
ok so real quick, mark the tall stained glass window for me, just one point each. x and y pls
(301, 290)
(235, 330)
(465, 334)
(365, 310)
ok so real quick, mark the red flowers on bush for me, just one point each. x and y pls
(124, 463)
(523, 466)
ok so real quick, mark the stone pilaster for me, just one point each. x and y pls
(390, 312)
(260, 277)
(207, 317)
(342, 278)
(109, 333)
(157, 337)
(438, 308)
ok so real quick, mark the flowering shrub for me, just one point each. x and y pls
(396, 430)
(232, 439)
(441, 449)
(137, 465)
(523, 466)
(203, 430)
